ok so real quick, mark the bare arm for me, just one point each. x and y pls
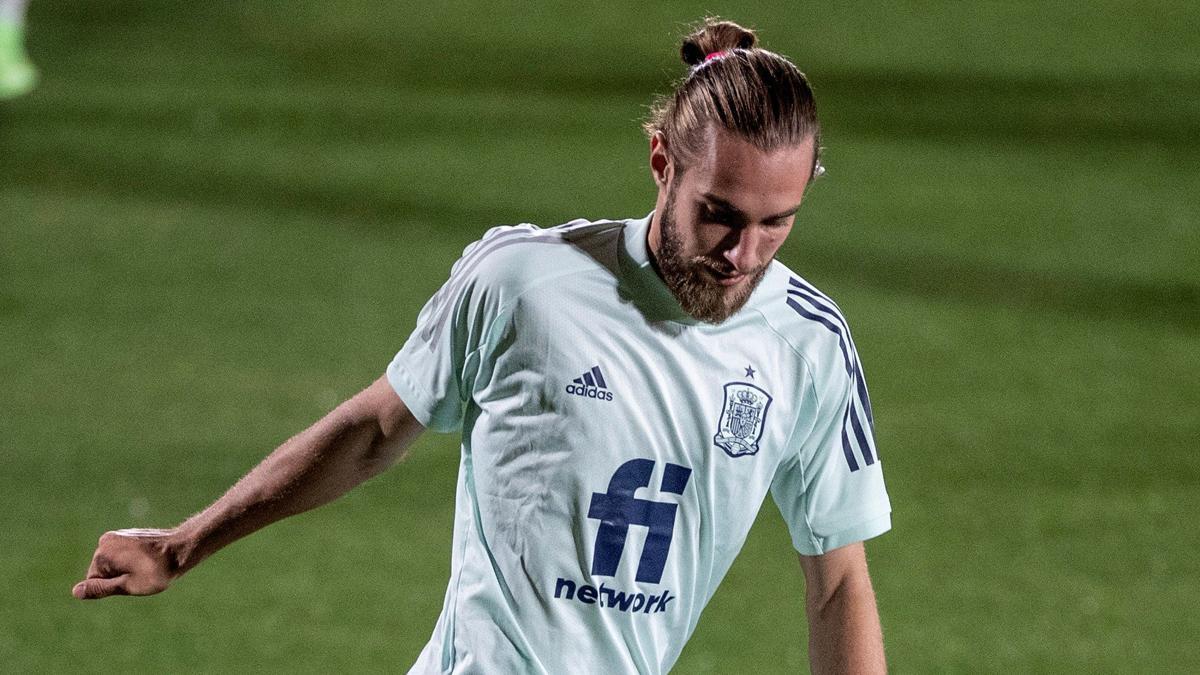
(356, 441)
(844, 631)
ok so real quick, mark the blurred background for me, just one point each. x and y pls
(217, 220)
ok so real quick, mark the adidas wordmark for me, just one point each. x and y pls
(591, 385)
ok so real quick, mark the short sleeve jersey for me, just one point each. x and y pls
(615, 452)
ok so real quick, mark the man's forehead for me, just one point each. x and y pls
(735, 172)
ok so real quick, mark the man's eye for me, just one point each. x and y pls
(715, 216)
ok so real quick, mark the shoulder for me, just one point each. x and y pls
(810, 322)
(509, 260)
(515, 258)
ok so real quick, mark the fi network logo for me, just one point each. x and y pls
(617, 510)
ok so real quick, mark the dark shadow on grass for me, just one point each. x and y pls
(1146, 109)
(1175, 303)
(1153, 108)
(935, 106)
(81, 172)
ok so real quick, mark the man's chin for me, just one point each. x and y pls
(709, 297)
(718, 302)
(736, 294)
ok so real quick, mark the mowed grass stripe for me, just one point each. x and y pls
(346, 178)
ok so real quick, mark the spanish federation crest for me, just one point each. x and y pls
(742, 419)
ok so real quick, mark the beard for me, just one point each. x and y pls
(699, 295)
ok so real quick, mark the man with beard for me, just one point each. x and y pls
(628, 392)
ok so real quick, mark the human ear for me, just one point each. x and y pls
(660, 160)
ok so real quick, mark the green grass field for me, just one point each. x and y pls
(217, 222)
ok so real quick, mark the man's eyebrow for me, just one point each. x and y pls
(780, 216)
(727, 206)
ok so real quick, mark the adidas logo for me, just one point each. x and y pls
(591, 385)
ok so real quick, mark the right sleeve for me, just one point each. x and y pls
(830, 490)
(434, 371)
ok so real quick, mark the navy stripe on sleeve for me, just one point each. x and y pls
(825, 322)
(864, 445)
(846, 449)
(816, 306)
(827, 305)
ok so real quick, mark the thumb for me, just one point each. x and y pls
(94, 589)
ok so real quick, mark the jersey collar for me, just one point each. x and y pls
(641, 280)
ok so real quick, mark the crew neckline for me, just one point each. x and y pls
(659, 303)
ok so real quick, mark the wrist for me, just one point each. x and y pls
(182, 550)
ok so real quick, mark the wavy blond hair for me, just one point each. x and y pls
(737, 86)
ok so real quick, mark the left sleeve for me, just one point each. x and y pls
(435, 372)
(830, 487)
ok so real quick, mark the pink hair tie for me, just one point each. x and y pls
(712, 55)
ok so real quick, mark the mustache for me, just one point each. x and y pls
(723, 270)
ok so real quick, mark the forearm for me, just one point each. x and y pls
(844, 630)
(313, 468)
(359, 439)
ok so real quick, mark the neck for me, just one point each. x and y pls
(654, 239)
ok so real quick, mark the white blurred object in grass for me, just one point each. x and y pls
(17, 74)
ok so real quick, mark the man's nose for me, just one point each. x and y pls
(741, 248)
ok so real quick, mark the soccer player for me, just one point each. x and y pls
(628, 393)
(17, 74)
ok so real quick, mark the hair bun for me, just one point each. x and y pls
(715, 36)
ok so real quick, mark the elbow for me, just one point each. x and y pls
(379, 452)
(833, 598)
(818, 601)
(381, 426)
(388, 439)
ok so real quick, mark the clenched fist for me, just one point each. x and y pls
(128, 562)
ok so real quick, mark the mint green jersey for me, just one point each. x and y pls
(615, 452)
